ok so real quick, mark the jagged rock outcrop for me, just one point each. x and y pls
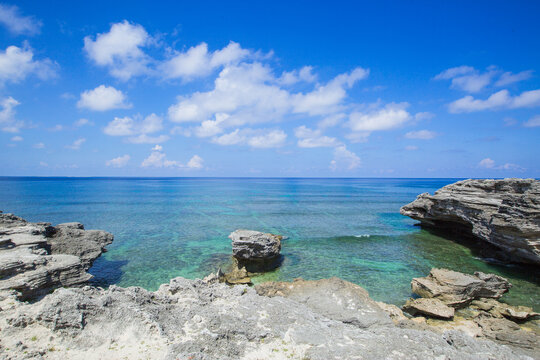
(504, 213)
(430, 307)
(191, 319)
(458, 289)
(256, 251)
(37, 257)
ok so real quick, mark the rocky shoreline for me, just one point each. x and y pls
(48, 311)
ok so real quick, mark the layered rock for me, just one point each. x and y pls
(430, 307)
(255, 250)
(37, 257)
(504, 213)
(458, 289)
(191, 319)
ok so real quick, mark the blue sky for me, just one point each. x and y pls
(340, 89)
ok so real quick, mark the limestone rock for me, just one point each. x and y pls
(190, 319)
(256, 251)
(430, 307)
(37, 257)
(458, 289)
(504, 213)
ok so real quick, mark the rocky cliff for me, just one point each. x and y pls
(504, 213)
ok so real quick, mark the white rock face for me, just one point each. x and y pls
(255, 245)
(504, 213)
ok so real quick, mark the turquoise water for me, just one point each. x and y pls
(350, 228)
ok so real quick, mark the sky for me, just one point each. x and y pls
(270, 89)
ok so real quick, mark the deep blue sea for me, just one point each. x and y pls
(350, 228)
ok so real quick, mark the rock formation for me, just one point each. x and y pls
(504, 213)
(37, 257)
(191, 319)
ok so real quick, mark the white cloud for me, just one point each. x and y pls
(120, 50)
(196, 162)
(510, 78)
(119, 162)
(274, 138)
(411, 148)
(83, 122)
(421, 134)
(39, 145)
(499, 100)
(16, 23)
(56, 128)
(138, 130)
(76, 144)
(305, 74)
(423, 116)
(17, 63)
(17, 138)
(467, 78)
(389, 117)
(159, 159)
(260, 138)
(309, 138)
(103, 98)
(344, 159)
(331, 120)
(533, 122)
(8, 123)
(487, 163)
(198, 62)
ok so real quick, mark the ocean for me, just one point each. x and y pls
(168, 227)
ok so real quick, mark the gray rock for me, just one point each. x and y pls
(36, 257)
(504, 213)
(430, 307)
(458, 289)
(190, 319)
(256, 251)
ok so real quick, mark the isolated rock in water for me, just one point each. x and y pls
(429, 307)
(504, 213)
(256, 251)
(457, 289)
(334, 298)
(37, 257)
(190, 319)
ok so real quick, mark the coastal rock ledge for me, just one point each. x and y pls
(504, 213)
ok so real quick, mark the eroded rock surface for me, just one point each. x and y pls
(429, 307)
(256, 251)
(37, 257)
(191, 319)
(504, 213)
(458, 289)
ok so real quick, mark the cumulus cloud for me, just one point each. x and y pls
(17, 63)
(309, 138)
(83, 122)
(259, 138)
(389, 117)
(118, 162)
(16, 23)
(17, 138)
(344, 159)
(103, 98)
(158, 159)
(421, 134)
(120, 50)
(533, 122)
(197, 61)
(499, 100)
(488, 163)
(508, 78)
(305, 74)
(76, 145)
(8, 123)
(137, 130)
(467, 78)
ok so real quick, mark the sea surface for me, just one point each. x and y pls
(168, 227)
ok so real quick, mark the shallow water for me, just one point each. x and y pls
(350, 228)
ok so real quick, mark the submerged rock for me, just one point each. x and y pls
(256, 251)
(504, 213)
(38, 257)
(458, 289)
